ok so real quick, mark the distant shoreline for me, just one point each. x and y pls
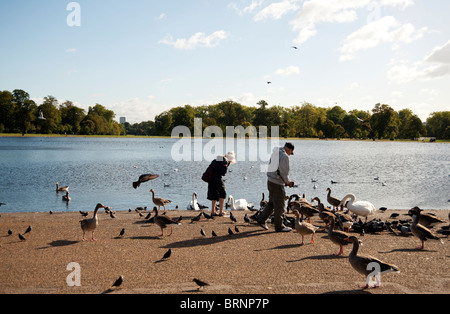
(11, 135)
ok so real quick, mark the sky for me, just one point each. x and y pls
(141, 58)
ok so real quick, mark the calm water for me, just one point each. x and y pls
(102, 170)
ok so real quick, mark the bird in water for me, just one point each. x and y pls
(144, 178)
(66, 198)
(61, 188)
(90, 224)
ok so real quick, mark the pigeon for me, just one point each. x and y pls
(84, 214)
(196, 218)
(232, 218)
(200, 283)
(246, 219)
(21, 237)
(236, 229)
(202, 232)
(10, 232)
(214, 234)
(230, 232)
(28, 230)
(122, 232)
(168, 254)
(207, 216)
(112, 215)
(118, 282)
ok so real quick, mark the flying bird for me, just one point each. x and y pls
(144, 178)
(294, 47)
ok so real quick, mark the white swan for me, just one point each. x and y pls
(240, 204)
(193, 205)
(360, 208)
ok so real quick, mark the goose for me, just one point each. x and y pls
(240, 204)
(144, 178)
(159, 201)
(89, 225)
(420, 231)
(305, 209)
(428, 220)
(324, 214)
(61, 188)
(332, 200)
(66, 197)
(304, 228)
(163, 221)
(360, 208)
(361, 263)
(338, 237)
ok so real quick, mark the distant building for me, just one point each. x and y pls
(123, 120)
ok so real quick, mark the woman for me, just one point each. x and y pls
(216, 186)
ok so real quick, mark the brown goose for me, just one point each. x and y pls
(304, 208)
(324, 213)
(163, 221)
(61, 188)
(304, 228)
(361, 263)
(144, 178)
(338, 237)
(159, 201)
(428, 220)
(89, 225)
(420, 231)
(332, 200)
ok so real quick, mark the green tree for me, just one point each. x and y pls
(71, 117)
(24, 110)
(411, 126)
(7, 109)
(52, 121)
(438, 125)
(384, 122)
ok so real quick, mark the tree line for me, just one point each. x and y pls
(20, 114)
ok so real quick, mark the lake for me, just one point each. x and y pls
(397, 175)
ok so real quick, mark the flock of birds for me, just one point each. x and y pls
(337, 223)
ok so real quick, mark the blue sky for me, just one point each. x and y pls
(140, 58)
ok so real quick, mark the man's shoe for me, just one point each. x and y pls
(285, 229)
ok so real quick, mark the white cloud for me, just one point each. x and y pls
(403, 4)
(197, 40)
(277, 10)
(384, 30)
(71, 50)
(161, 16)
(435, 65)
(136, 110)
(324, 11)
(288, 71)
(248, 9)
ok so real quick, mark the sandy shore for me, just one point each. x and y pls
(251, 262)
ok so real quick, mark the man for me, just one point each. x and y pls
(277, 179)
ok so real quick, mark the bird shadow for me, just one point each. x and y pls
(145, 238)
(407, 250)
(59, 243)
(317, 257)
(356, 291)
(280, 247)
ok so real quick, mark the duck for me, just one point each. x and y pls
(159, 201)
(332, 200)
(338, 237)
(428, 220)
(304, 228)
(61, 188)
(144, 178)
(362, 263)
(360, 208)
(66, 197)
(420, 231)
(239, 204)
(89, 225)
(163, 221)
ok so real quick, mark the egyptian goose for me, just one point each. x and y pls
(338, 237)
(304, 228)
(159, 201)
(420, 231)
(332, 200)
(62, 188)
(428, 220)
(361, 263)
(89, 225)
(163, 221)
(144, 178)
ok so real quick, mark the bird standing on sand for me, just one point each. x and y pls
(118, 282)
(362, 263)
(122, 232)
(428, 220)
(213, 234)
(84, 214)
(167, 254)
(21, 237)
(144, 178)
(202, 232)
(200, 283)
(163, 221)
(360, 208)
(304, 228)
(159, 201)
(232, 218)
(28, 230)
(338, 237)
(420, 231)
(89, 225)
